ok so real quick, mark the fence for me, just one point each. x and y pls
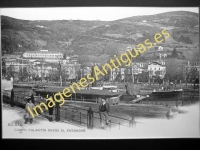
(78, 115)
(87, 117)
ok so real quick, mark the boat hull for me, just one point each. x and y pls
(165, 95)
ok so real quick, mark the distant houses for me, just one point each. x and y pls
(49, 64)
(42, 64)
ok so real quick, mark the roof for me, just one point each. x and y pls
(155, 62)
(87, 64)
(11, 56)
(68, 65)
(74, 56)
(43, 52)
(82, 91)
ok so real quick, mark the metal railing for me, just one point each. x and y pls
(77, 115)
(87, 117)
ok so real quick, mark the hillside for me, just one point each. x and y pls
(97, 41)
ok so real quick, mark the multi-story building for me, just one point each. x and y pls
(87, 68)
(48, 56)
(43, 69)
(42, 63)
(119, 73)
(138, 67)
(192, 70)
(16, 65)
(156, 68)
(70, 70)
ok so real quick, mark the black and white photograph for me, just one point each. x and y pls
(100, 72)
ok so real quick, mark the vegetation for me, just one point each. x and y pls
(174, 53)
(92, 38)
(175, 69)
(98, 41)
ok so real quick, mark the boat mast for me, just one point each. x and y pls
(60, 71)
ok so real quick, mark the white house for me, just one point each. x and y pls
(156, 68)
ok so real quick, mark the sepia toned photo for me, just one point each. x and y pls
(100, 72)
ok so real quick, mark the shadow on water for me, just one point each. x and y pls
(170, 117)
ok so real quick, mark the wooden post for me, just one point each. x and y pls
(12, 98)
(80, 118)
(75, 97)
(90, 119)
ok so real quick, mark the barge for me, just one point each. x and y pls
(84, 95)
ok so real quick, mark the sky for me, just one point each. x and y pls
(87, 13)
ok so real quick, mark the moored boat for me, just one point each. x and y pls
(169, 95)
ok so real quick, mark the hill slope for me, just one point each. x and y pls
(97, 40)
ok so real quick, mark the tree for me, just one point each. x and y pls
(107, 76)
(79, 74)
(143, 77)
(37, 78)
(192, 74)
(174, 69)
(185, 39)
(127, 74)
(174, 53)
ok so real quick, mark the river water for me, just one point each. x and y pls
(184, 125)
(181, 125)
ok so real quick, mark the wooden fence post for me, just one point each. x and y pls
(12, 102)
(90, 119)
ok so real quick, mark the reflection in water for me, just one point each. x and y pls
(179, 125)
(169, 117)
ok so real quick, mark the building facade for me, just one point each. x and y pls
(48, 56)
(156, 69)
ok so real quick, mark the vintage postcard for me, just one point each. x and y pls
(100, 72)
